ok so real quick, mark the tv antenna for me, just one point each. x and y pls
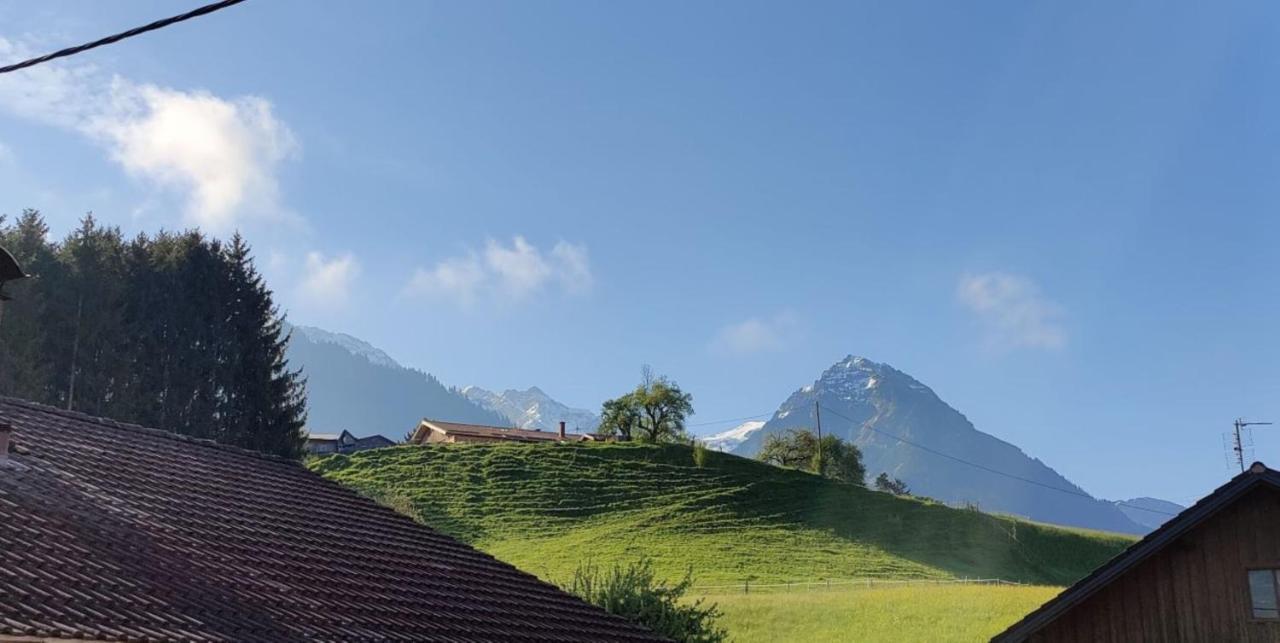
(1242, 428)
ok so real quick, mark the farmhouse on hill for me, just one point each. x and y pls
(115, 532)
(345, 442)
(1210, 574)
(435, 432)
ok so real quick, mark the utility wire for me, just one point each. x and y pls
(727, 420)
(159, 24)
(989, 469)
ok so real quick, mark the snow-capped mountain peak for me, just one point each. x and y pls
(901, 426)
(533, 409)
(727, 440)
(351, 344)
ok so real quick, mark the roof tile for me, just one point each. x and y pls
(112, 531)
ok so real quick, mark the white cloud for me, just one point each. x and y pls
(756, 335)
(1015, 312)
(220, 154)
(327, 283)
(518, 270)
(457, 277)
(511, 273)
(575, 268)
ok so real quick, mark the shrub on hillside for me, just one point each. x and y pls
(633, 593)
(891, 485)
(701, 454)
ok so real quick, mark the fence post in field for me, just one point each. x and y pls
(746, 587)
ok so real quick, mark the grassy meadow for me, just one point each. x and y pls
(943, 613)
(546, 507)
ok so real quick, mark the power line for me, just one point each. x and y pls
(159, 24)
(989, 469)
(727, 420)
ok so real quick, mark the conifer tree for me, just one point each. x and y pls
(264, 403)
(175, 331)
(91, 301)
(25, 370)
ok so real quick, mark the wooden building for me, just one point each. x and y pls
(1212, 573)
(345, 442)
(435, 432)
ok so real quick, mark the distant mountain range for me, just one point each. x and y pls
(729, 440)
(533, 409)
(1148, 512)
(873, 404)
(355, 386)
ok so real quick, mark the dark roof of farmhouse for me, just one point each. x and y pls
(500, 433)
(111, 531)
(1204, 509)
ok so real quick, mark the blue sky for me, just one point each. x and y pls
(1061, 216)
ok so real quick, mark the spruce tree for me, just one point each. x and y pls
(25, 370)
(264, 402)
(92, 302)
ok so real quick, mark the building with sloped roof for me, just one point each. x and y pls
(112, 532)
(344, 442)
(435, 431)
(1211, 573)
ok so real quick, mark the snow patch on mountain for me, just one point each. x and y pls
(533, 409)
(348, 343)
(901, 426)
(729, 440)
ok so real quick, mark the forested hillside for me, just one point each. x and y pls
(546, 507)
(175, 331)
(352, 385)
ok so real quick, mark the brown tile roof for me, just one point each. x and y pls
(111, 531)
(497, 432)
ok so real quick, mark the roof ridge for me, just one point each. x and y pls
(1150, 544)
(145, 430)
(576, 430)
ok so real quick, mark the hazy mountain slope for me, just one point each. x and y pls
(546, 507)
(874, 396)
(729, 440)
(352, 385)
(533, 409)
(353, 345)
(1163, 510)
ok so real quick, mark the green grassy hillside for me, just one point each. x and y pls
(545, 507)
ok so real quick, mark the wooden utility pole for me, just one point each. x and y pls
(817, 416)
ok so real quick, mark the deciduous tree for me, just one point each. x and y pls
(654, 412)
(799, 449)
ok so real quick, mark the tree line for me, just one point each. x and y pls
(176, 331)
(828, 456)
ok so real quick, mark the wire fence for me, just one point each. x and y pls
(747, 587)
